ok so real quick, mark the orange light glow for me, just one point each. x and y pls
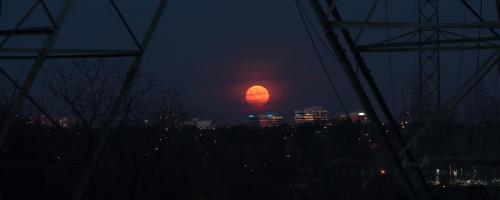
(257, 95)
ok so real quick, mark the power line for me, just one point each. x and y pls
(367, 19)
(302, 14)
(478, 93)
(389, 57)
(460, 64)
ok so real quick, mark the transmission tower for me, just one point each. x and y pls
(428, 82)
(425, 39)
(49, 34)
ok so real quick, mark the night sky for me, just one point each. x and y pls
(212, 51)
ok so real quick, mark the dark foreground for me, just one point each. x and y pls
(145, 162)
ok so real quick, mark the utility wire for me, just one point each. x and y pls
(367, 19)
(389, 57)
(302, 15)
(478, 96)
(316, 32)
(460, 64)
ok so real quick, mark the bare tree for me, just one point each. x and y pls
(88, 89)
(137, 101)
(170, 109)
(164, 105)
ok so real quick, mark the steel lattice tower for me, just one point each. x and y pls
(424, 39)
(49, 34)
(428, 79)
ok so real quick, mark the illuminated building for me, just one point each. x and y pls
(43, 120)
(266, 120)
(314, 115)
(354, 117)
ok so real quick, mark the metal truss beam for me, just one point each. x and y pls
(478, 16)
(30, 99)
(408, 158)
(381, 134)
(126, 85)
(406, 25)
(66, 51)
(441, 48)
(75, 56)
(429, 62)
(367, 19)
(405, 45)
(45, 30)
(17, 27)
(47, 52)
(38, 63)
(466, 88)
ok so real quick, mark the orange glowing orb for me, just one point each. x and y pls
(257, 95)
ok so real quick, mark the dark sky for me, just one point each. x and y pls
(212, 51)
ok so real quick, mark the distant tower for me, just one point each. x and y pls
(429, 73)
(437, 179)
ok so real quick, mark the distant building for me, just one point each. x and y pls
(253, 120)
(315, 115)
(265, 120)
(43, 120)
(201, 124)
(354, 117)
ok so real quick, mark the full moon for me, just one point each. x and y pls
(257, 95)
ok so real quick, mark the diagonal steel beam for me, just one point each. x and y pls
(415, 170)
(66, 53)
(457, 98)
(37, 106)
(381, 135)
(19, 24)
(478, 16)
(47, 12)
(33, 73)
(367, 19)
(127, 83)
(127, 26)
